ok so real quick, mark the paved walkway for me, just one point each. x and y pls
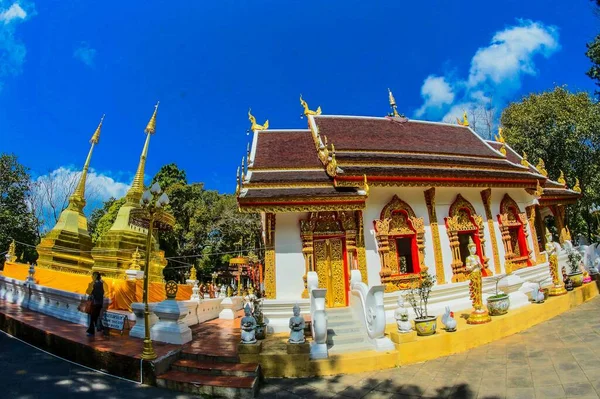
(555, 359)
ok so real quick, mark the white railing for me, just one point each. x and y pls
(318, 325)
(367, 304)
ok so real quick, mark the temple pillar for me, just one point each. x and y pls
(382, 228)
(486, 198)
(307, 251)
(559, 217)
(530, 212)
(361, 252)
(435, 233)
(270, 282)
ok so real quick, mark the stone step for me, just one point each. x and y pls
(345, 330)
(341, 323)
(214, 385)
(337, 349)
(212, 368)
(204, 356)
(346, 339)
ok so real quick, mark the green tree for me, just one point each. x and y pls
(97, 214)
(169, 175)
(16, 219)
(563, 129)
(106, 220)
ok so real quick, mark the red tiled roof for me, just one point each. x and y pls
(383, 134)
(285, 149)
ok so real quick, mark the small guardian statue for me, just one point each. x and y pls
(248, 324)
(557, 288)
(297, 325)
(401, 316)
(223, 293)
(474, 267)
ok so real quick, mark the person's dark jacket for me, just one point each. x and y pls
(98, 293)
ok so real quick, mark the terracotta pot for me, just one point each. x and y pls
(498, 304)
(577, 279)
(426, 326)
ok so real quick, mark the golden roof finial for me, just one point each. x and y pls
(255, 126)
(96, 136)
(392, 100)
(238, 183)
(365, 185)
(331, 163)
(561, 178)
(307, 111)
(539, 190)
(500, 139)
(576, 187)
(465, 121)
(541, 167)
(524, 159)
(151, 126)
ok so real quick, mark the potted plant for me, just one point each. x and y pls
(418, 296)
(498, 303)
(575, 273)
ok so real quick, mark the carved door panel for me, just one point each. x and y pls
(329, 263)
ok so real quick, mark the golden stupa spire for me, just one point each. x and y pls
(77, 199)
(392, 100)
(465, 121)
(137, 187)
(307, 111)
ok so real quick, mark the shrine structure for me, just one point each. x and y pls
(390, 197)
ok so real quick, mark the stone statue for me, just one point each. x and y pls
(223, 293)
(474, 267)
(401, 316)
(557, 288)
(297, 325)
(248, 325)
(594, 268)
(229, 291)
(249, 299)
(566, 280)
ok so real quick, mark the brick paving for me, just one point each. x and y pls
(555, 359)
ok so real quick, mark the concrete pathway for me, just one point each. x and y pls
(556, 359)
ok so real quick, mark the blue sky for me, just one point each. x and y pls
(64, 64)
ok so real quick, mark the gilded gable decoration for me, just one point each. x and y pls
(255, 126)
(576, 187)
(307, 111)
(465, 121)
(463, 219)
(561, 178)
(541, 167)
(398, 220)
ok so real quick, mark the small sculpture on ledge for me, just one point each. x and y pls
(223, 293)
(250, 298)
(248, 325)
(196, 296)
(229, 291)
(401, 316)
(448, 320)
(297, 325)
(566, 280)
(557, 288)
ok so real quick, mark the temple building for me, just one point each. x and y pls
(67, 247)
(113, 253)
(390, 197)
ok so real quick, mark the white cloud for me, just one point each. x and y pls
(495, 74)
(12, 51)
(85, 54)
(13, 12)
(436, 92)
(51, 192)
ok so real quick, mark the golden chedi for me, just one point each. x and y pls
(113, 252)
(67, 247)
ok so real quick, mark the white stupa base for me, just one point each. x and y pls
(171, 327)
(318, 351)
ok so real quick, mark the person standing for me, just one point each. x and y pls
(96, 292)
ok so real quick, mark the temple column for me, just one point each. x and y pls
(435, 233)
(307, 251)
(530, 212)
(486, 198)
(270, 279)
(361, 252)
(382, 228)
(559, 218)
(508, 255)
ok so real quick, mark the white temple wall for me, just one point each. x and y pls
(289, 261)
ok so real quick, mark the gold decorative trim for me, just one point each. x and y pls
(511, 216)
(530, 210)
(361, 251)
(249, 208)
(429, 183)
(270, 271)
(435, 232)
(486, 198)
(405, 165)
(437, 154)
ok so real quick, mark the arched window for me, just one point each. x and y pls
(400, 236)
(463, 223)
(513, 225)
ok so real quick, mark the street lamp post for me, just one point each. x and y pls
(152, 214)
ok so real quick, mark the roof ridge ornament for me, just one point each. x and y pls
(393, 105)
(576, 187)
(307, 111)
(524, 161)
(255, 126)
(465, 121)
(500, 139)
(561, 179)
(541, 167)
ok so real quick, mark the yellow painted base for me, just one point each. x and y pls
(557, 290)
(276, 362)
(481, 317)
